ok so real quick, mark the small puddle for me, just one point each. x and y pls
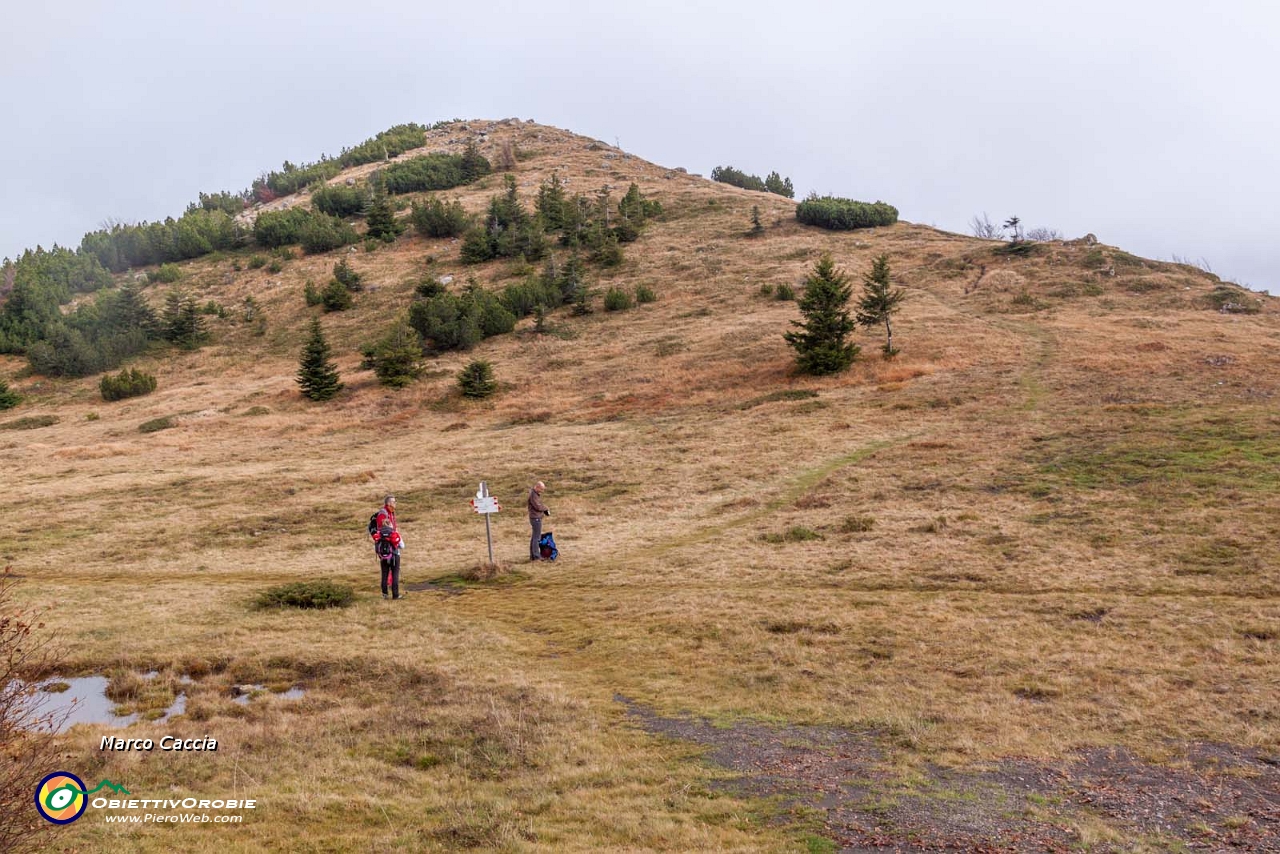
(245, 693)
(85, 701)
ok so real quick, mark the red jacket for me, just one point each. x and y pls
(387, 516)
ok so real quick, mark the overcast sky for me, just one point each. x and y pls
(1154, 125)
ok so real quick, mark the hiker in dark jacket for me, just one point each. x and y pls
(387, 543)
(536, 511)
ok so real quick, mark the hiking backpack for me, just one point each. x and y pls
(547, 546)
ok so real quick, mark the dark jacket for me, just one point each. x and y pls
(536, 508)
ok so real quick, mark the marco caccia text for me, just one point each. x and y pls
(168, 742)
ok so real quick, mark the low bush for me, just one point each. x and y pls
(434, 218)
(340, 200)
(426, 173)
(306, 594)
(324, 233)
(390, 143)
(794, 534)
(616, 299)
(783, 293)
(167, 274)
(857, 524)
(130, 383)
(31, 422)
(257, 262)
(840, 214)
(157, 424)
(645, 294)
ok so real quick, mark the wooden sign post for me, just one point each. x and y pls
(485, 504)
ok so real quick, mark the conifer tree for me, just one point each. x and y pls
(473, 164)
(820, 341)
(8, 397)
(128, 310)
(397, 357)
(317, 374)
(382, 221)
(880, 301)
(351, 280)
(775, 183)
(550, 203)
(182, 322)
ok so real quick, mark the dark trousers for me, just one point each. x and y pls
(535, 551)
(391, 575)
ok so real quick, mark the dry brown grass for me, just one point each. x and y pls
(973, 498)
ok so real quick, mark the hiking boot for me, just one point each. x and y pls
(385, 596)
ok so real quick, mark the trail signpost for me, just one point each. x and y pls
(485, 504)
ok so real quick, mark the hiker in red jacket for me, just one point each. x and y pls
(387, 544)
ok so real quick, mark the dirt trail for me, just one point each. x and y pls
(1215, 798)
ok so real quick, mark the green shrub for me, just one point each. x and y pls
(737, 178)
(390, 143)
(766, 290)
(782, 293)
(1017, 248)
(8, 397)
(459, 322)
(157, 424)
(350, 279)
(382, 221)
(524, 298)
(306, 594)
(857, 524)
(1232, 299)
(213, 307)
(275, 267)
(130, 383)
(30, 422)
(336, 297)
(182, 324)
(608, 253)
(434, 218)
(476, 380)
(257, 262)
(324, 233)
(340, 200)
(844, 214)
(397, 358)
(645, 294)
(426, 173)
(278, 228)
(66, 352)
(616, 299)
(167, 273)
(291, 178)
(794, 534)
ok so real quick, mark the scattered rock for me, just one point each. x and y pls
(682, 170)
(444, 280)
(351, 182)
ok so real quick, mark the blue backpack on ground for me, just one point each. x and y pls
(547, 546)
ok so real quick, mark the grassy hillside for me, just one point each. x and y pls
(1049, 524)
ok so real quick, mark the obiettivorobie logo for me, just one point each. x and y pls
(61, 797)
